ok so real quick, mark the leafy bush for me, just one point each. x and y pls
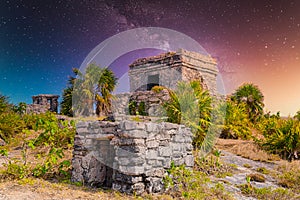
(236, 124)
(54, 138)
(283, 137)
(11, 123)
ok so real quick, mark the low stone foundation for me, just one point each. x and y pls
(129, 156)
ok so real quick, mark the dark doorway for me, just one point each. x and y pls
(153, 80)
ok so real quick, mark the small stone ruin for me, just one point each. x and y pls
(43, 103)
(129, 156)
(133, 155)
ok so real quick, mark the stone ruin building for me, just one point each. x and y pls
(133, 156)
(169, 68)
(42, 103)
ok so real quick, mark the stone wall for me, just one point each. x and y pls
(129, 156)
(36, 108)
(153, 103)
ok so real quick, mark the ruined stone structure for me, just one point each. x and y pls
(42, 103)
(169, 68)
(129, 156)
(133, 156)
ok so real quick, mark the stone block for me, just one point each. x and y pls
(165, 151)
(179, 138)
(189, 160)
(168, 126)
(131, 161)
(138, 188)
(189, 147)
(152, 144)
(137, 133)
(155, 172)
(81, 124)
(167, 163)
(151, 154)
(155, 163)
(82, 130)
(154, 185)
(127, 178)
(132, 170)
(152, 127)
(128, 142)
(132, 125)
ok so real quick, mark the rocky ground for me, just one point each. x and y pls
(41, 189)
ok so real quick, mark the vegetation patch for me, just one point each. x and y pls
(266, 193)
(192, 184)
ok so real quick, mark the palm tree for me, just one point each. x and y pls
(92, 87)
(297, 115)
(106, 85)
(84, 91)
(253, 98)
(66, 104)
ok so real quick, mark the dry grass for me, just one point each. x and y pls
(40, 189)
(289, 174)
(247, 149)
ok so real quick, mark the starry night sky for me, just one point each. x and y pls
(254, 41)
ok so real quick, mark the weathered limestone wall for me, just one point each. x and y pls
(173, 67)
(36, 108)
(120, 104)
(93, 154)
(152, 100)
(129, 156)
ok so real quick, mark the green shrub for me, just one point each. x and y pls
(266, 193)
(191, 184)
(11, 124)
(237, 124)
(283, 138)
